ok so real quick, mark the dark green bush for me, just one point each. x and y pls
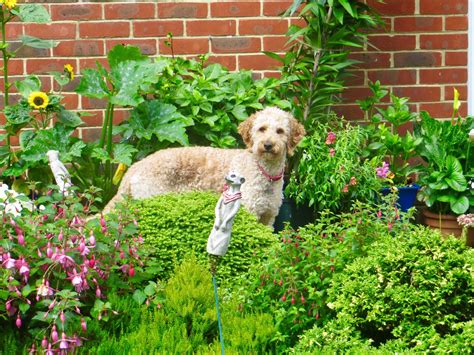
(293, 282)
(176, 224)
(186, 322)
(415, 289)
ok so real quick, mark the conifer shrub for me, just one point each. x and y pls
(414, 290)
(175, 225)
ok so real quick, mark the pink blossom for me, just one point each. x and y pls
(21, 239)
(103, 224)
(345, 188)
(383, 171)
(44, 290)
(18, 321)
(8, 262)
(44, 343)
(63, 345)
(331, 138)
(353, 181)
(332, 152)
(54, 334)
(83, 325)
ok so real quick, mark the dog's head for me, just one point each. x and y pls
(271, 132)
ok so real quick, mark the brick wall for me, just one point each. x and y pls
(422, 53)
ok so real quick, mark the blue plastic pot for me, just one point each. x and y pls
(406, 195)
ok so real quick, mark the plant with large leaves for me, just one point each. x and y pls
(449, 173)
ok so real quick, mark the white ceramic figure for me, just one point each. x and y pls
(60, 173)
(226, 209)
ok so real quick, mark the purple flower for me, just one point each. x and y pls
(383, 171)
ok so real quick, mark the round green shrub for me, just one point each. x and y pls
(408, 290)
(175, 225)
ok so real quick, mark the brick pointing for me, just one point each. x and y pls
(421, 53)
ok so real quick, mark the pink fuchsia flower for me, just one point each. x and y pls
(331, 138)
(63, 345)
(23, 267)
(54, 334)
(78, 281)
(44, 290)
(62, 258)
(332, 152)
(383, 171)
(8, 262)
(103, 224)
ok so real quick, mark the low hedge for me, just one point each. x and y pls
(175, 225)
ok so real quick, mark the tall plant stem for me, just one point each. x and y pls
(6, 84)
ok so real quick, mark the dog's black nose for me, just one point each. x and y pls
(268, 146)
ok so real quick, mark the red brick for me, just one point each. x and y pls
(418, 24)
(355, 78)
(355, 93)
(258, 62)
(442, 109)
(372, 60)
(400, 7)
(456, 23)
(275, 8)
(182, 10)
(69, 87)
(22, 51)
(455, 58)
(235, 45)
(272, 74)
(120, 116)
(263, 27)
(90, 134)
(186, 46)
(44, 66)
(417, 59)
(441, 76)
(235, 9)
(275, 43)
(443, 41)
(51, 30)
(393, 77)
(147, 46)
(449, 92)
(91, 103)
(443, 7)
(129, 11)
(419, 93)
(104, 29)
(349, 112)
(157, 28)
(298, 22)
(84, 12)
(91, 63)
(79, 48)
(210, 27)
(94, 120)
(14, 30)
(70, 101)
(228, 61)
(392, 42)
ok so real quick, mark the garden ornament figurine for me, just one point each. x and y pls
(60, 173)
(226, 209)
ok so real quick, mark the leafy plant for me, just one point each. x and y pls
(384, 135)
(449, 169)
(414, 290)
(56, 268)
(175, 225)
(332, 173)
(294, 281)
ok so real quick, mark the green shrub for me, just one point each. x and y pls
(293, 282)
(186, 321)
(176, 224)
(414, 289)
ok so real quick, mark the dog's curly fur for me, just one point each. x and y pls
(270, 135)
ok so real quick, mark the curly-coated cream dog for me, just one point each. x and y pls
(270, 135)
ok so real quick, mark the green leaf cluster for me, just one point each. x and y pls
(412, 293)
(175, 225)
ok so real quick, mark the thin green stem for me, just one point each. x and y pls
(6, 84)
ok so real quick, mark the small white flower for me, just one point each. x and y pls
(471, 135)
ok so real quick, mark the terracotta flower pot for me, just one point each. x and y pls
(447, 224)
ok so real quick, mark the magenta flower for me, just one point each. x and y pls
(63, 345)
(383, 171)
(44, 290)
(8, 262)
(331, 138)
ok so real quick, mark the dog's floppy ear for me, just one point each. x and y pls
(245, 130)
(297, 132)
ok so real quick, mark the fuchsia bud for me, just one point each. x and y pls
(293, 300)
(8, 305)
(92, 240)
(18, 321)
(302, 299)
(60, 235)
(21, 239)
(52, 304)
(103, 224)
(122, 254)
(283, 298)
(62, 317)
(49, 250)
(39, 253)
(82, 246)
(91, 262)
(83, 325)
(98, 293)
(44, 343)
(54, 334)
(131, 271)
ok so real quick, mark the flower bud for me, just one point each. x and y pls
(18, 321)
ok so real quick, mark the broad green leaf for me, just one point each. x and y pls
(239, 112)
(25, 138)
(32, 13)
(24, 307)
(121, 53)
(457, 181)
(69, 118)
(92, 84)
(460, 205)
(73, 151)
(139, 296)
(34, 42)
(100, 154)
(30, 84)
(18, 114)
(123, 153)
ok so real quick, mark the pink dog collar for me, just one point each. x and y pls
(228, 197)
(270, 177)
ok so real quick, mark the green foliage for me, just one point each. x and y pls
(177, 224)
(449, 171)
(293, 283)
(414, 289)
(331, 173)
(186, 321)
(383, 129)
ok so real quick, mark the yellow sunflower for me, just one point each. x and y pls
(38, 100)
(9, 3)
(69, 70)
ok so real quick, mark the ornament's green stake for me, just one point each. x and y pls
(214, 261)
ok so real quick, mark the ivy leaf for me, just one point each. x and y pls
(123, 153)
(92, 84)
(39, 43)
(69, 118)
(32, 13)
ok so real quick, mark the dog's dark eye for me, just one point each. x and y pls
(280, 131)
(262, 129)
